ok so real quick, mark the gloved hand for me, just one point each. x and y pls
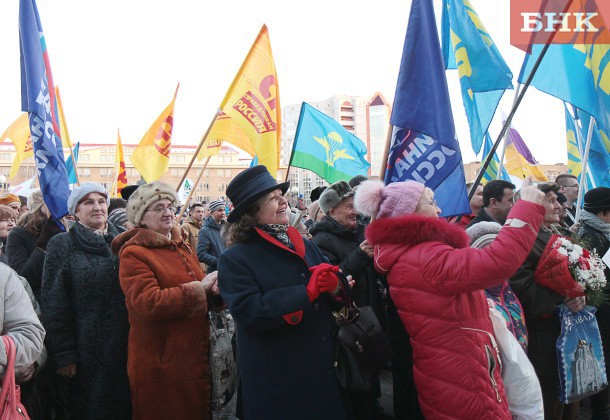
(49, 229)
(326, 277)
(312, 288)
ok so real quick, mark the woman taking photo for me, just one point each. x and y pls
(436, 283)
(283, 318)
(168, 300)
(83, 310)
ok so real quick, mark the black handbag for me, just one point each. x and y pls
(362, 350)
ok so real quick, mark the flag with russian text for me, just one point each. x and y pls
(151, 155)
(225, 130)
(326, 148)
(38, 99)
(253, 102)
(492, 169)
(424, 145)
(484, 75)
(120, 170)
(72, 164)
(519, 160)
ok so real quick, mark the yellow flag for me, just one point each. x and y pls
(63, 127)
(518, 165)
(224, 129)
(121, 177)
(19, 133)
(253, 102)
(151, 156)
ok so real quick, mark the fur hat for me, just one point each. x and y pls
(356, 181)
(10, 198)
(35, 200)
(118, 217)
(375, 199)
(79, 193)
(248, 186)
(334, 195)
(483, 233)
(215, 205)
(144, 196)
(597, 200)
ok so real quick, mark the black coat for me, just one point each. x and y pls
(285, 350)
(84, 313)
(25, 258)
(483, 216)
(342, 247)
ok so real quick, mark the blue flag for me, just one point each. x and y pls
(492, 170)
(598, 162)
(38, 99)
(70, 167)
(323, 146)
(484, 76)
(574, 73)
(424, 146)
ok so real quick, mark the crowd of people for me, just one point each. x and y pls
(111, 312)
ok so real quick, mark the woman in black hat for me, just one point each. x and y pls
(282, 313)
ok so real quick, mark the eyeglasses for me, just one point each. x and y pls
(571, 186)
(433, 203)
(162, 210)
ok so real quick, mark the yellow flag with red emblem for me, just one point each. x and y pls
(253, 102)
(119, 161)
(19, 133)
(151, 156)
(225, 130)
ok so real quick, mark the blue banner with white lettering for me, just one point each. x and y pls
(38, 99)
(424, 146)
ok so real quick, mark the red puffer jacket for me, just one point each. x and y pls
(436, 282)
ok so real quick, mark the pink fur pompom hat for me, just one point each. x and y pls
(375, 199)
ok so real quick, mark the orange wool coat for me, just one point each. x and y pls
(169, 336)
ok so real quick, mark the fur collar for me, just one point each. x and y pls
(148, 239)
(412, 230)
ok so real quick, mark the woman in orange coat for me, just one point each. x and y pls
(167, 299)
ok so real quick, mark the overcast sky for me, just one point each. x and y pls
(117, 63)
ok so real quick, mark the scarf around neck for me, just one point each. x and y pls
(278, 232)
(595, 222)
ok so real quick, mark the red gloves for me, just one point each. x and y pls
(324, 278)
(312, 289)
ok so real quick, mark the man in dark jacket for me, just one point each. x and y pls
(595, 233)
(209, 243)
(341, 238)
(498, 198)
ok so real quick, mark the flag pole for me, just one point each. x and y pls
(501, 162)
(186, 202)
(386, 153)
(583, 172)
(188, 168)
(296, 136)
(63, 118)
(579, 143)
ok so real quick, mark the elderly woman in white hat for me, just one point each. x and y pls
(83, 310)
(168, 299)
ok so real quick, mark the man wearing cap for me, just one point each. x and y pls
(595, 232)
(210, 244)
(192, 224)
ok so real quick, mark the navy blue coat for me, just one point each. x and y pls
(285, 347)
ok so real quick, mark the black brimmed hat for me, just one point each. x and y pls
(248, 186)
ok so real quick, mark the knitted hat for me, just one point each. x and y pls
(215, 205)
(597, 200)
(35, 201)
(483, 233)
(144, 196)
(334, 195)
(314, 211)
(373, 198)
(118, 217)
(79, 193)
(10, 198)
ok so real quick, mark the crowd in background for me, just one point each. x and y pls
(111, 317)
